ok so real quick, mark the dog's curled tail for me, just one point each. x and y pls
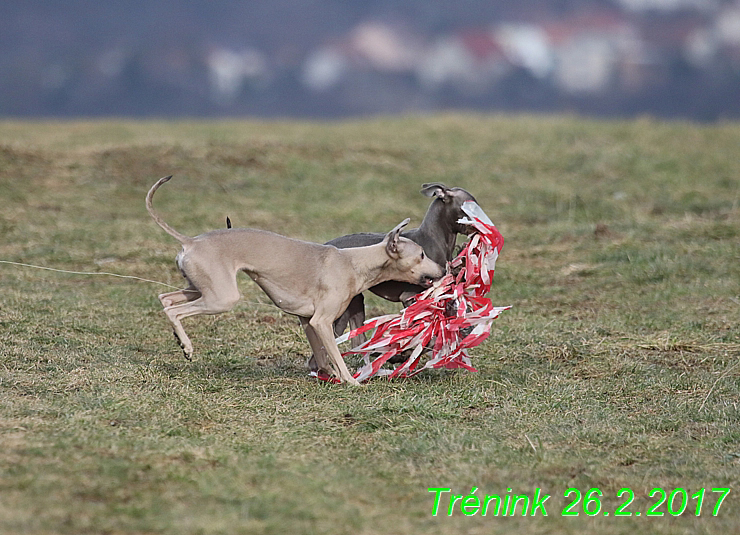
(168, 229)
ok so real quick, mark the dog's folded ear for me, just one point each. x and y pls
(391, 239)
(436, 189)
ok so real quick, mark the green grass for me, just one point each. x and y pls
(618, 365)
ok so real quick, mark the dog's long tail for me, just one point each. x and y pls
(168, 229)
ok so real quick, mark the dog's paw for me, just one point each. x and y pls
(187, 352)
(353, 382)
(311, 364)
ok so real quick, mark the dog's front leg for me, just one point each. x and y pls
(356, 312)
(325, 332)
(318, 362)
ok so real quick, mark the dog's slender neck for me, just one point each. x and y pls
(436, 218)
(365, 261)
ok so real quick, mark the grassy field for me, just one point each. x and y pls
(617, 367)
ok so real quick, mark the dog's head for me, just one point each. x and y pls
(449, 201)
(410, 262)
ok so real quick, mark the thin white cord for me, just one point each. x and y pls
(88, 273)
(110, 275)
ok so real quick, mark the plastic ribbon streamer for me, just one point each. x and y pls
(447, 319)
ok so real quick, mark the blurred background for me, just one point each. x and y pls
(341, 58)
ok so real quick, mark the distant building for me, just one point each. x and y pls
(470, 61)
(231, 71)
(527, 46)
(371, 47)
(595, 52)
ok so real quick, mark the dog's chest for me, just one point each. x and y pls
(286, 298)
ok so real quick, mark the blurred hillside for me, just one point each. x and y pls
(333, 58)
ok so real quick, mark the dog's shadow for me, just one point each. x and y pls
(215, 367)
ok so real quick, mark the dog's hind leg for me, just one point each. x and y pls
(180, 296)
(207, 302)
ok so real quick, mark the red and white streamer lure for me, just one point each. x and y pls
(447, 319)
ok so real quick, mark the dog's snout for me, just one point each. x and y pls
(428, 280)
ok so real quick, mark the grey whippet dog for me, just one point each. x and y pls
(312, 281)
(437, 234)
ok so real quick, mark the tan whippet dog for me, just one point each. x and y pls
(312, 281)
